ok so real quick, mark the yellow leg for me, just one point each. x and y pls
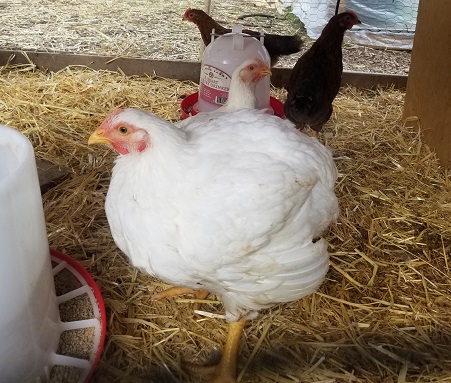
(200, 294)
(225, 371)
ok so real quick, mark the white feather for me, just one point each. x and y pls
(231, 205)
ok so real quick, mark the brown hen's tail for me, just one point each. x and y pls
(278, 46)
(284, 45)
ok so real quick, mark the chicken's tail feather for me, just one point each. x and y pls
(283, 45)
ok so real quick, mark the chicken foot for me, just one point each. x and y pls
(225, 371)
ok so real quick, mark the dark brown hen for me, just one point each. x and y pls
(315, 79)
(276, 45)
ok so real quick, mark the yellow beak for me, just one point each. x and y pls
(265, 72)
(98, 138)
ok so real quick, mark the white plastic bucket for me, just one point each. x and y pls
(29, 316)
(220, 59)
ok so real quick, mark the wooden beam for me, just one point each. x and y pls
(428, 95)
(49, 175)
(181, 70)
(366, 80)
(207, 10)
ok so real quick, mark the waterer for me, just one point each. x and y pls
(30, 325)
(221, 57)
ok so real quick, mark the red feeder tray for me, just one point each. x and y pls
(189, 102)
(87, 284)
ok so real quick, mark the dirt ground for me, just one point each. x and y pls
(154, 29)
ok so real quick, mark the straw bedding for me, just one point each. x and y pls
(383, 313)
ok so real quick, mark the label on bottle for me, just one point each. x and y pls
(214, 85)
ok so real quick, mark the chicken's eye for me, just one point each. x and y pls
(122, 129)
(251, 67)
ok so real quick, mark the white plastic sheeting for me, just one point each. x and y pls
(385, 23)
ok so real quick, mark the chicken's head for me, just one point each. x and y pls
(192, 15)
(348, 19)
(121, 132)
(253, 70)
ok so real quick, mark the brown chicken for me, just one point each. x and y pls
(276, 45)
(315, 79)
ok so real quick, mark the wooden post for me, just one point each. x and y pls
(428, 95)
(207, 9)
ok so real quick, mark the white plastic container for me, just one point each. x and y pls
(221, 57)
(29, 316)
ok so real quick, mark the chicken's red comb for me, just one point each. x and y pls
(111, 116)
(116, 112)
(353, 14)
(185, 15)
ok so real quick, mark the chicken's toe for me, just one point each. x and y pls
(173, 291)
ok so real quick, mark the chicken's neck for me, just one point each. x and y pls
(331, 37)
(206, 28)
(241, 96)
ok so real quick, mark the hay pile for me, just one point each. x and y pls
(382, 315)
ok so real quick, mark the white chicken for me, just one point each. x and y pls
(242, 85)
(241, 92)
(234, 205)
